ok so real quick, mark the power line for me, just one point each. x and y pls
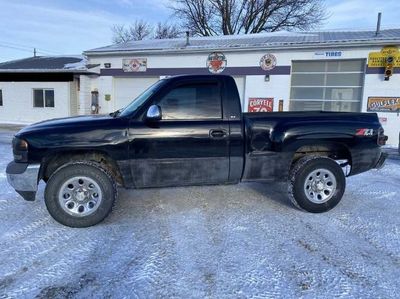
(28, 47)
(25, 50)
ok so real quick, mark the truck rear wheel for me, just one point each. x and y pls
(316, 184)
(80, 194)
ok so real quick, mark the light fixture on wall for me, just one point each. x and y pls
(107, 65)
(266, 78)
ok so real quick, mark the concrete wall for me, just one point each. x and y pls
(18, 102)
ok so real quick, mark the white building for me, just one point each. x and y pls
(38, 88)
(332, 71)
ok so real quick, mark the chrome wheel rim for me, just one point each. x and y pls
(320, 186)
(80, 196)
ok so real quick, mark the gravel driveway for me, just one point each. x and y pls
(233, 241)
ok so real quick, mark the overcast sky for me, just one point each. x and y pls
(71, 26)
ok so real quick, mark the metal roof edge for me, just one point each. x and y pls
(346, 44)
(45, 71)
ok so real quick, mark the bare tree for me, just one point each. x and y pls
(137, 31)
(216, 17)
(165, 30)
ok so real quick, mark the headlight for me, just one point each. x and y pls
(20, 149)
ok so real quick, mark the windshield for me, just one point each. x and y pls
(140, 100)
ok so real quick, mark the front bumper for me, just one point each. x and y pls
(381, 161)
(23, 177)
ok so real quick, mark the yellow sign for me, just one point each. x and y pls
(378, 59)
(383, 104)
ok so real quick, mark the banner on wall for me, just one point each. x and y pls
(383, 104)
(261, 105)
(134, 64)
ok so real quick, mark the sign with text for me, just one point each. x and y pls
(328, 54)
(379, 59)
(261, 105)
(383, 104)
(134, 64)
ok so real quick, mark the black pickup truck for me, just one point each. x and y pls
(190, 130)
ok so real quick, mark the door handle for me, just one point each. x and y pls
(218, 133)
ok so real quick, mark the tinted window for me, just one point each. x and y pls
(197, 101)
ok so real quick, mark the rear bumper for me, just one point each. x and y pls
(23, 177)
(381, 161)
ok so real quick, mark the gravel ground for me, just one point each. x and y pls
(218, 242)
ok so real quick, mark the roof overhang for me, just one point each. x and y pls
(239, 48)
(40, 76)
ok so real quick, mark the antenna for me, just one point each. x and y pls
(378, 24)
(34, 52)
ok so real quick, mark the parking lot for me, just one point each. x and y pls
(234, 241)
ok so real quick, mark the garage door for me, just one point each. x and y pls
(334, 85)
(127, 89)
(240, 82)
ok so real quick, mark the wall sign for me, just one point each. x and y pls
(216, 62)
(134, 64)
(261, 105)
(383, 104)
(328, 54)
(378, 59)
(268, 62)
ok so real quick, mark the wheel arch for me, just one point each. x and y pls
(54, 161)
(333, 150)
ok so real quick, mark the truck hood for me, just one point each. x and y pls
(77, 121)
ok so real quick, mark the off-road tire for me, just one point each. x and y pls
(298, 175)
(91, 170)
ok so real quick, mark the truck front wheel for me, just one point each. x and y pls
(316, 184)
(80, 194)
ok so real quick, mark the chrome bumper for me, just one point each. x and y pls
(23, 177)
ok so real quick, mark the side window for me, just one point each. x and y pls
(1, 97)
(195, 101)
(43, 98)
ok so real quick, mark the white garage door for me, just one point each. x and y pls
(240, 83)
(127, 89)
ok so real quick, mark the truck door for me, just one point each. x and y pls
(189, 145)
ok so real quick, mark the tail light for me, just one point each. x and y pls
(382, 138)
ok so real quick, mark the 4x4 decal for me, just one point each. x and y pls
(365, 132)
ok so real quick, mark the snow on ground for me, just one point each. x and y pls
(220, 242)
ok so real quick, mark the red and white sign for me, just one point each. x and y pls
(216, 62)
(261, 105)
(134, 64)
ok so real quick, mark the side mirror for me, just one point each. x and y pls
(153, 113)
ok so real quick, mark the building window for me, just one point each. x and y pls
(1, 97)
(334, 85)
(43, 98)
